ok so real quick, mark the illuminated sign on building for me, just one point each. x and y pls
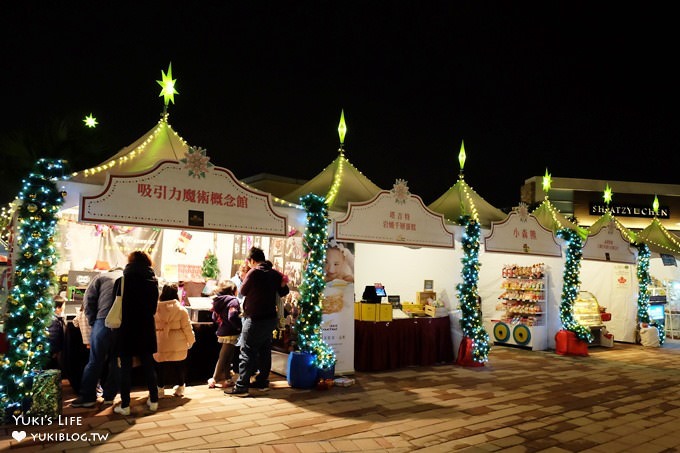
(630, 210)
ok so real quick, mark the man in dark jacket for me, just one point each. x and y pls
(98, 300)
(261, 286)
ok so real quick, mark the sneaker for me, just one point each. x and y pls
(161, 392)
(78, 402)
(108, 402)
(237, 391)
(122, 410)
(260, 387)
(153, 407)
(179, 390)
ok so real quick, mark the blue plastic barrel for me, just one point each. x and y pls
(301, 372)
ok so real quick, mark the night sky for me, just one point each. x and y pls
(584, 89)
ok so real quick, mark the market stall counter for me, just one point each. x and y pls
(400, 343)
(200, 360)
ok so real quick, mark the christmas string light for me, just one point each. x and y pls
(308, 323)
(571, 283)
(30, 304)
(471, 319)
(138, 151)
(644, 282)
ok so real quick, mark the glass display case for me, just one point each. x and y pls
(587, 310)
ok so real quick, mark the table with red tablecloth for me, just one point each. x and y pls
(401, 343)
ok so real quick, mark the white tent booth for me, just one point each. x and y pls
(399, 243)
(398, 246)
(663, 269)
(164, 196)
(529, 317)
(608, 271)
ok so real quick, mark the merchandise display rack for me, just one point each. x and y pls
(522, 307)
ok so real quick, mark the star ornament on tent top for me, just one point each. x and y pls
(167, 84)
(607, 195)
(196, 162)
(90, 121)
(547, 182)
(655, 205)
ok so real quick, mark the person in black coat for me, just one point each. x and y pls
(137, 332)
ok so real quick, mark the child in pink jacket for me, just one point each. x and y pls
(174, 336)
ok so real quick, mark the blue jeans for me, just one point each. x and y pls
(126, 377)
(102, 343)
(256, 351)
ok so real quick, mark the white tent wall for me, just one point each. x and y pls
(196, 248)
(669, 275)
(615, 287)
(403, 270)
(490, 280)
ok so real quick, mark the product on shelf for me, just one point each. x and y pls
(522, 306)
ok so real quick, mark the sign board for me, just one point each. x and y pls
(609, 244)
(394, 218)
(170, 196)
(521, 233)
(668, 260)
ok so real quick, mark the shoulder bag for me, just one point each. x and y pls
(115, 317)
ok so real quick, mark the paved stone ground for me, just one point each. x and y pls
(624, 398)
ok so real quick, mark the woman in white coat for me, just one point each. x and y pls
(174, 337)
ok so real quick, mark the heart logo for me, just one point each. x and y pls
(19, 435)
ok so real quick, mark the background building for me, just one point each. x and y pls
(631, 202)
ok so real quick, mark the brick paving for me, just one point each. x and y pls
(620, 399)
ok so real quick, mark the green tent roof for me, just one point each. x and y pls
(605, 220)
(552, 219)
(340, 182)
(461, 199)
(659, 239)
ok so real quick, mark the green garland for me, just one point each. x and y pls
(30, 305)
(571, 283)
(210, 268)
(471, 320)
(644, 281)
(308, 323)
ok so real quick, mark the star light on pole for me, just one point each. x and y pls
(462, 156)
(167, 84)
(607, 195)
(655, 205)
(547, 181)
(90, 121)
(342, 128)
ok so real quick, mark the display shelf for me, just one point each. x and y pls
(522, 307)
(587, 312)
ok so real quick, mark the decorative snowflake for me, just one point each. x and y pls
(523, 211)
(196, 162)
(400, 191)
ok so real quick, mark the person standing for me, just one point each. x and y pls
(137, 332)
(174, 337)
(57, 336)
(260, 288)
(97, 303)
(238, 279)
(227, 314)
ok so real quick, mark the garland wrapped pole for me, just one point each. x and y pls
(30, 305)
(308, 324)
(644, 281)
(571, 284)
(471, 321)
